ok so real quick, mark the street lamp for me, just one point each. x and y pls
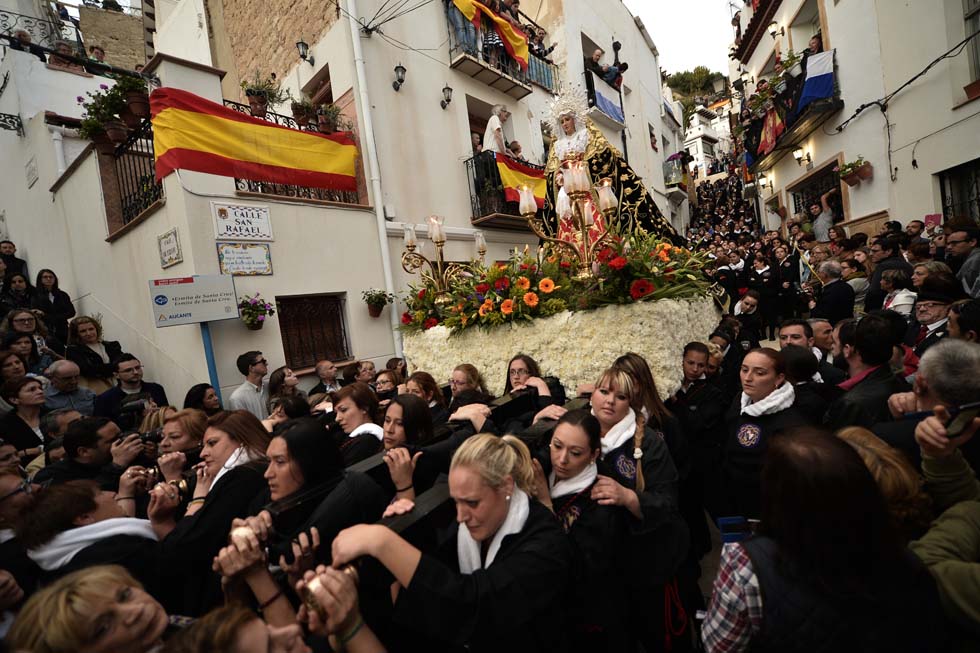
(764, 181)
(775, 29)
(399, 77)
(800, 156)
(304, 51)
(447, 96)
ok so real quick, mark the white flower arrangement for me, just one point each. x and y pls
(575, 347)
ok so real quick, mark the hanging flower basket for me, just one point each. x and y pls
(139, 103)
(375, 311)
(851, 179)
(254, 311)
(866, 171)
(376, 300)
(116, 131)
(254, 326)
(258, 103)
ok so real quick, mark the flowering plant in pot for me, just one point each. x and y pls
(376, 300)
(261, 92)
(100, 119)
(328, 118)
(849, 171)
(254, 310)
(133, 90)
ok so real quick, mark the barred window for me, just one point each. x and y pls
(313, 329)
(971, 14)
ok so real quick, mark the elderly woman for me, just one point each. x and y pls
(91, 353)
(764, 411)
(497, 581)
(930, 268)
(54, 304)
(853, 583)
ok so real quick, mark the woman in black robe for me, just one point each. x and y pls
(497, 580)
(564, 481)
(356, 407)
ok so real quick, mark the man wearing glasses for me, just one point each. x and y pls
(64, 391)
(964, 257)
(128, 393)
(253, 394)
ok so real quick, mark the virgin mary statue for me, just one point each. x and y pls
(579, 139)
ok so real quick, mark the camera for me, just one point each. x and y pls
(154, 436)
(136, 406)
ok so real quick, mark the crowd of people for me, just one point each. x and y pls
(388, 510)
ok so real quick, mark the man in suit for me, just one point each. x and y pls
(800, 333)
(932, 315)
(836, 300)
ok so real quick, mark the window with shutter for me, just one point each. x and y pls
(313, 329)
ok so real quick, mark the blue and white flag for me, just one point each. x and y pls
(609, 106)
(819, 82)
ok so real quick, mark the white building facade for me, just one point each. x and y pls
(100, 224)
(924, 149)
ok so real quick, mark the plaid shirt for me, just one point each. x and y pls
(734, 615)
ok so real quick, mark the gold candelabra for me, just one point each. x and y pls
(578, 186)
(440, 274)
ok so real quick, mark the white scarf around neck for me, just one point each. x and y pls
(238, 458)
(620, 432)
(575, 484)
(468, 549)
(779, 399)
(64, 546)
(369, 427)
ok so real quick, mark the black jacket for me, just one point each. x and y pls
(16, 431)
(930, 340)
(56, 313)
(90, 364)
(866, 403)
(836, 302)
(517, 604)
(876, 296)
(108, 403)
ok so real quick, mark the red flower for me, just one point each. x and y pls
(604, 255)
(482, 288)
(406, 318)
(429, 323)
(503, 283)
(565, 264)
(617, 263)
(641, 288)
(422, 294)
(524, 266)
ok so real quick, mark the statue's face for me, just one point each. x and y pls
(567, 124)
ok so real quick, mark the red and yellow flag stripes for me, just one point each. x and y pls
(515, 174)
(192, 133)
(515, 41)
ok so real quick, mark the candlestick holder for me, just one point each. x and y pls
(437, 272)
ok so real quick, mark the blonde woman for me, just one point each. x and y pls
(97, 610)
(496, 582)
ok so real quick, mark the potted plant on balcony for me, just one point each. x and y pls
(376, 300)
(100, 119)
(865, 171)
(328, 118)
(261, 92)
(791, 65)
(133, 90)
(254, 310)
(849, 171)
(303, 109)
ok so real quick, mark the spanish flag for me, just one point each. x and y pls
(515, 41)
(515, 174)
(192, 133)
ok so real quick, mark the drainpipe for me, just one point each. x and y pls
(374, 171)
(57, 135)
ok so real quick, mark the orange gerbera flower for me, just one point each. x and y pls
(664, 256)
(485, 308)
(546, 285)
(507, 307)
(530, 299)
(523, 283)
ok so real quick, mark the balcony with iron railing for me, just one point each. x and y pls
(44, 33)
(605, 102)
(133, 161)
(490, 208)
(286, 190)
(473, 51)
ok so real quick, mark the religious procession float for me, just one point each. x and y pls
(610, 275)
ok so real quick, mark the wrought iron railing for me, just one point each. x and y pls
(464, 37)
(136, 173)
(286, 190)
(486, 188)
(44, 33)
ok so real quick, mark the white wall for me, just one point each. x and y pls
(182, 30)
